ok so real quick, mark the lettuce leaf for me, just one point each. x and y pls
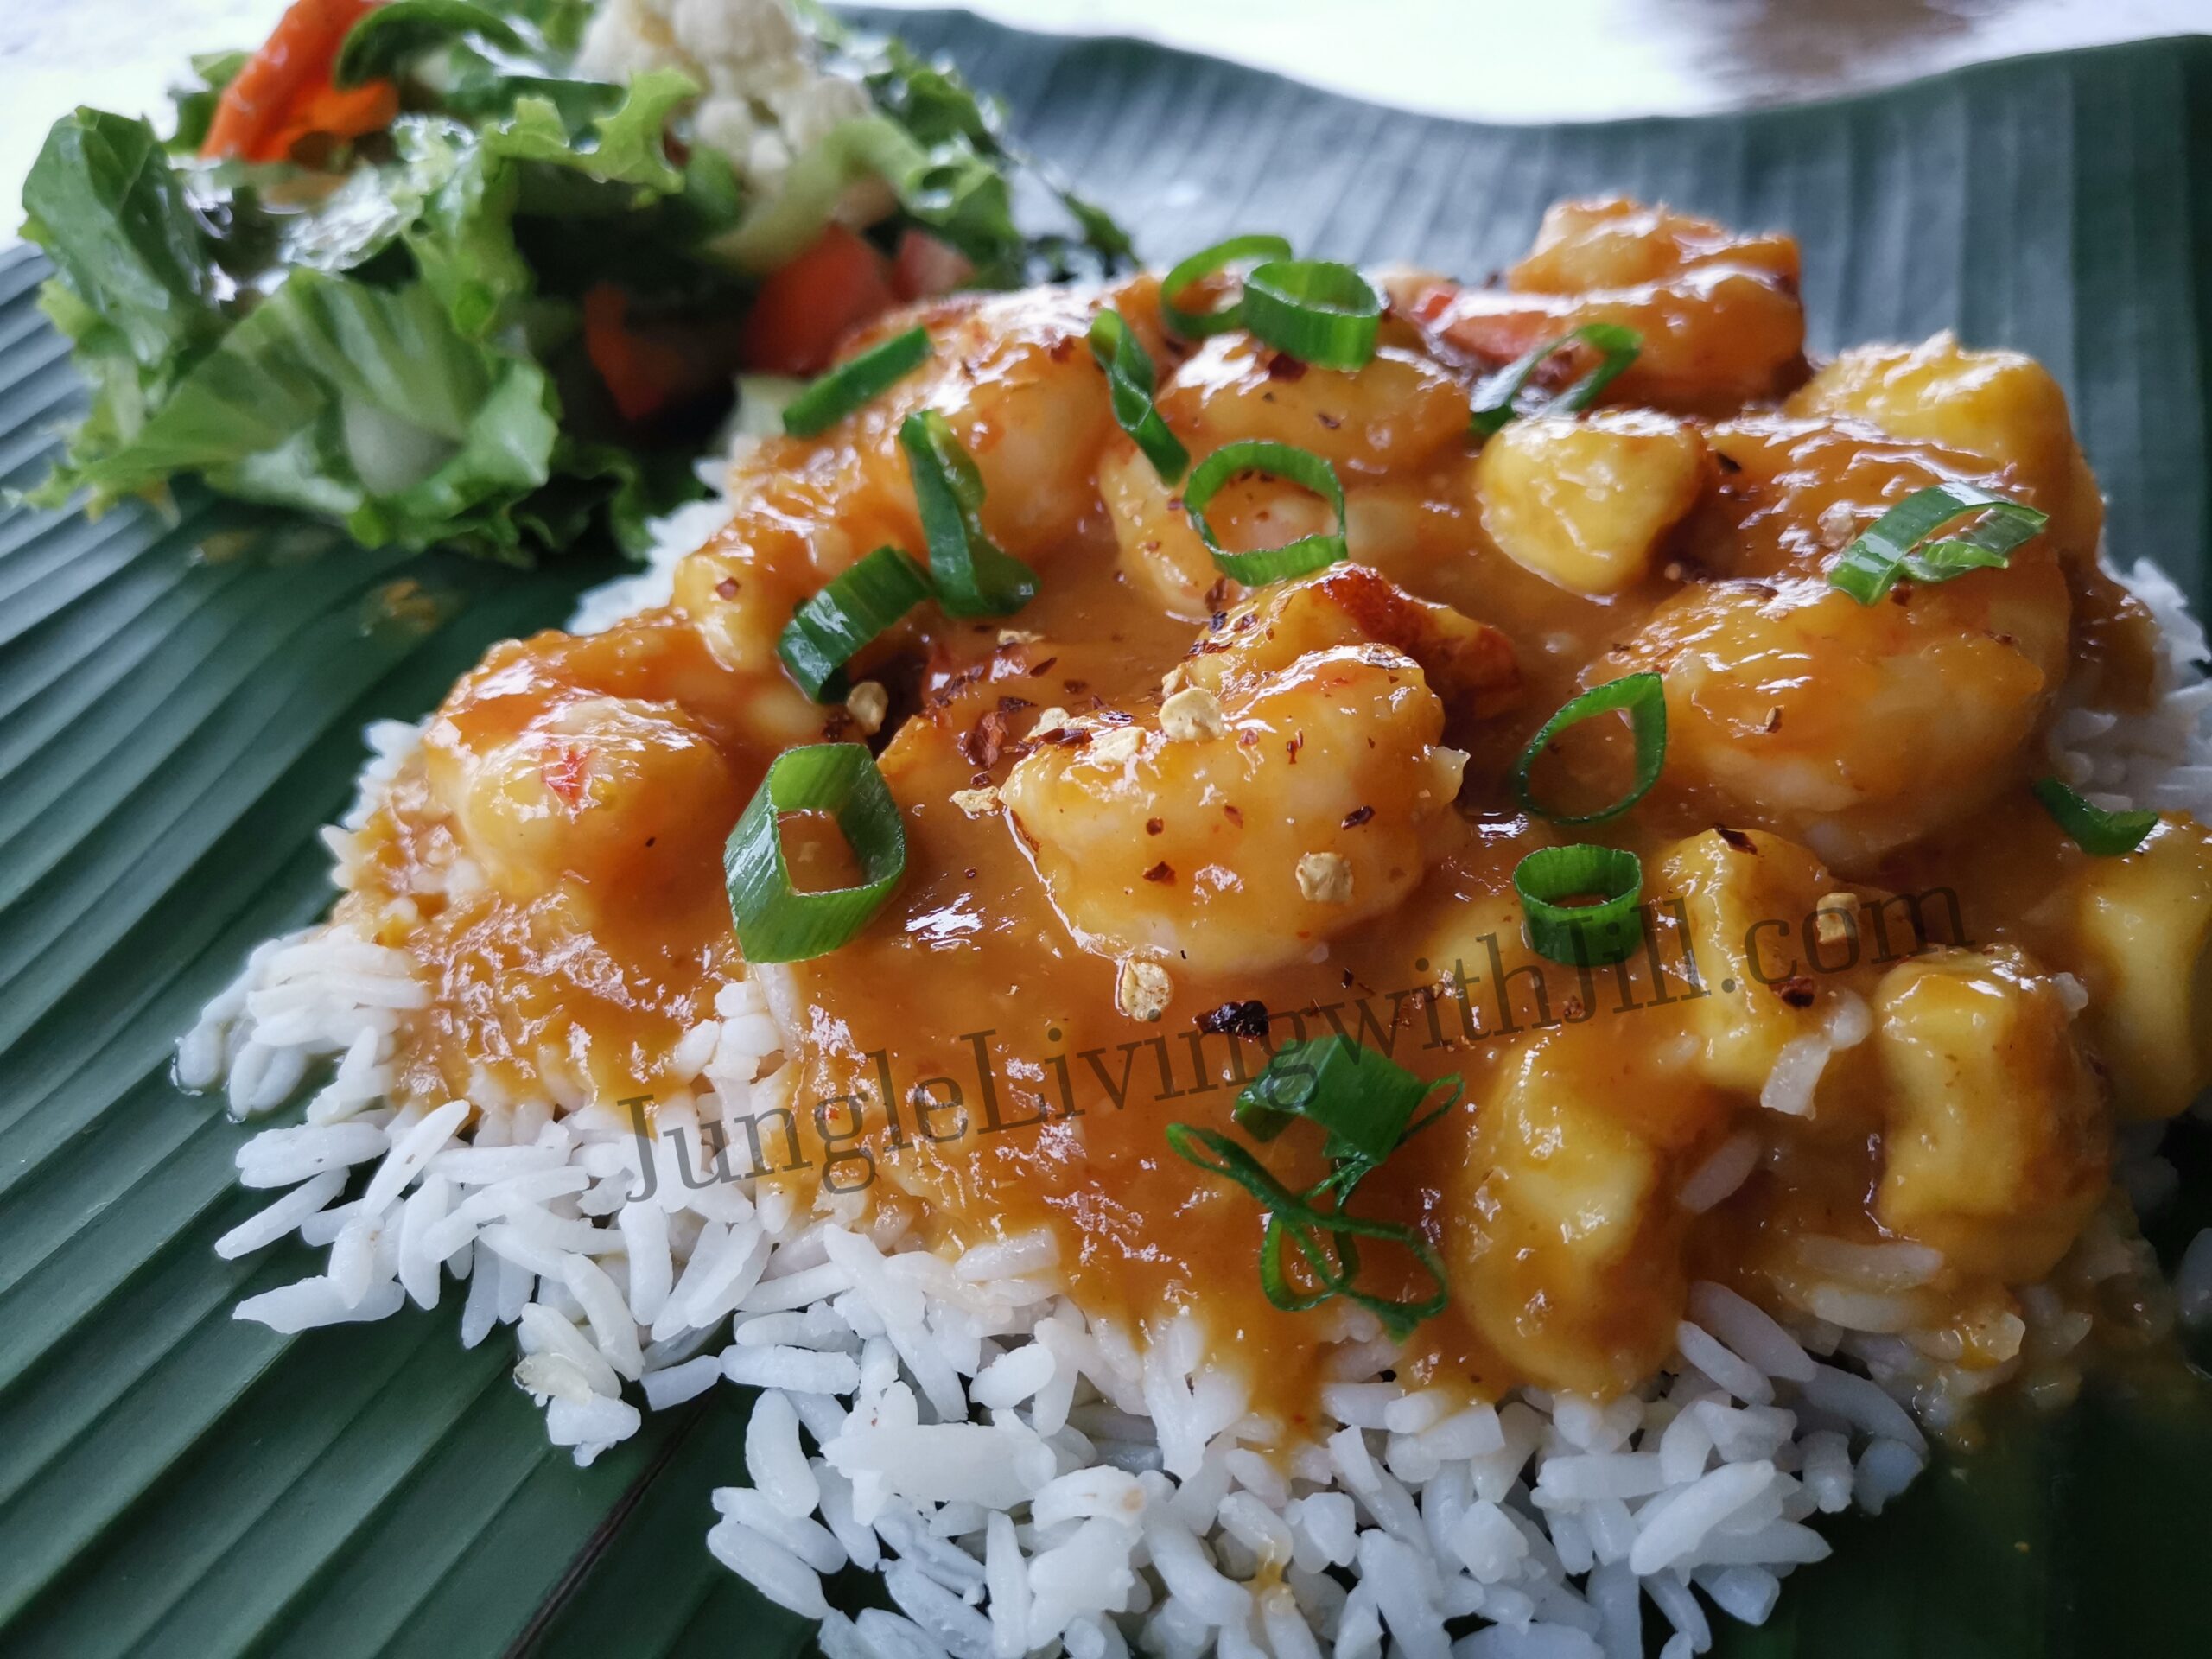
(623, 146)
(389, 408)
(361, 404)
(391, 339)
(103, 202)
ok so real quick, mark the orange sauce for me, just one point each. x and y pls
(967, 1056)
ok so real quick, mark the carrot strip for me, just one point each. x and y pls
(284, 93)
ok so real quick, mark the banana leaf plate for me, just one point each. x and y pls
(180, 696)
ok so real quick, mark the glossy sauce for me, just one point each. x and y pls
(969, 1058)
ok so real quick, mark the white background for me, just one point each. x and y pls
(1496, 60)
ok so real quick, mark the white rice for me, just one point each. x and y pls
(1022, 1475)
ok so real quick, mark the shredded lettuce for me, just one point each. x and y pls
(391, 339)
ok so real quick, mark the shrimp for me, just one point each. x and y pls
(1851, 728)
(1718, 313)
(1241, 832)
(578, 777)
(1394, 412)
(1469, 664)
(1019, 388)
(1391, 416)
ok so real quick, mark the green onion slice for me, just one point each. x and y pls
(1644, 696)
(845, 388)
(1319, 311)
(830, 629)
(777, 923)
(1333, 1266)
(1581, 936)
(1197, 325)
(973, 576)
(1300, 467)
(2106, 834)
(1363, 1100)
(1497, 397)
(1896, 544)
(1129, 379)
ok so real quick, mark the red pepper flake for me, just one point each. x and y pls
(949, 692)
(1297, 742)
(726, 587)
(983, 743)
(1283, 367)
(1007, 705)
(1076, 688)
(1041, 668)
(1232, 815)
(1331, 421)
(1796, 991)
(1358, 816)
(1248, 736)
(1736, 839)
(1162, 871)
(565, 771)
(1153, 826)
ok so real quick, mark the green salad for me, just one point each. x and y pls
(482, 273)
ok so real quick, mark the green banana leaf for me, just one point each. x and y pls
(181, 694)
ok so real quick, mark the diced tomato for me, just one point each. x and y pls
(928, 266)
(284, 93)
(643, 373)
(804, 310)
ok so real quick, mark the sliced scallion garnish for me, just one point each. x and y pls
(1644, 696)
(1585, 935)
(1197, 325)
(1364, 1103)
(827, 401)
(1897, 545)
(775, 921)
(972, 574)
(1497, 398)
(847, 385)
(1319, 311)
(1302, 467)
(1364, 1100)
(2106, 834)
(1130, 382)
(830, 629)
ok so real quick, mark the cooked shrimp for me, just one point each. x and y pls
(1467, 663)
(1244, 832)
(1718, 313)
(1853, 728)
(628, 796)
(1015, 381)
(1395, 414)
